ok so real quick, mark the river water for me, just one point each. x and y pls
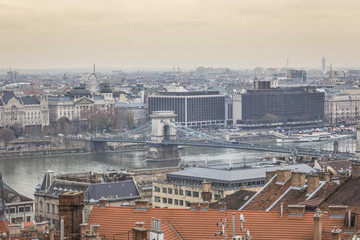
(22, 174)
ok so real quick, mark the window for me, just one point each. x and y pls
(181, 203)
(12, 210)
(28, 218)
(164, 190)
(48, 207)
(181, 192)
(195, 194)
(164, 200)
(176, 191)
(157, 199)
(176, 202)
(217, 196)
(170, 191)
(188, 193)
(27, 208)
(41, 206)
(53, 208)
(187, 203)
(157, 189)
(170, 201)
(21, 209)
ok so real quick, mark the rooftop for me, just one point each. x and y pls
(202, 173)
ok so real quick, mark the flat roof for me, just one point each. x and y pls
(238, 175)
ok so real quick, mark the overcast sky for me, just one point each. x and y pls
(167, 33)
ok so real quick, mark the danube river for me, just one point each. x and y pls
(22, 174)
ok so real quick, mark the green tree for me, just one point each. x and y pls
(270, 118)
(6, 135)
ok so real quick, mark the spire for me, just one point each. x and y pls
(94, 68)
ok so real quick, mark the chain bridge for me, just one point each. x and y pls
(164, 135)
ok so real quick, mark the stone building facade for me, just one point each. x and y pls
(29, 112)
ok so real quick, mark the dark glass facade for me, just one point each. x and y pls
(193, 108)
(289, 104)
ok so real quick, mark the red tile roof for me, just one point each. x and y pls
(4, 226)
(203, 224)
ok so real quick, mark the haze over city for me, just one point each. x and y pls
(163, 34)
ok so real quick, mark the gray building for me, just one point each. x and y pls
(127, 114)
(205, 108)
(291, 106)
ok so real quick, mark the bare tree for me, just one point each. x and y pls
(130, 121)
(64, 125)
(6, 135)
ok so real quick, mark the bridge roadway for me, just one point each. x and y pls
(243, 146)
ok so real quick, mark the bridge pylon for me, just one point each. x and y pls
(160, 132)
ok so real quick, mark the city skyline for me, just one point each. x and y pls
(166, 34)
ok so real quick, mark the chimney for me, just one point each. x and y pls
(155, 231)
(52, 233)
(206, 191)
(336, 233)
(96, 228)
(355, 170)
(296, 210)
(269, 175)
(141, 205)
(324, 176)
(34, 234)
(139, 232)
(193, 205)
(312, 183)
(204, 206)
(102, 203)
(283, 176)
(83, 227)
(298, 179)
(222, 206)
(337, 211)
(14, 230)
(317, 226)
(70, 208)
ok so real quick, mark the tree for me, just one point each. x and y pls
(270, 118)
(130, 121)
(18, 130)
(6, 135)
(99, 120)
(64, 125)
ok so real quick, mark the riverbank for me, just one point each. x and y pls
(67, 151)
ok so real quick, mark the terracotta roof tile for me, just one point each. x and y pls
(4, 226)
(203, 224)
(268, 196)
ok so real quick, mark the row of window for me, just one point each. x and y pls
(19, 209)
(176, 191)
(53, 208)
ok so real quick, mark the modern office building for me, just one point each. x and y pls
(291, 106)
(296, 75)
(205, 108)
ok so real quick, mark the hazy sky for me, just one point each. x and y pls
(167, 33)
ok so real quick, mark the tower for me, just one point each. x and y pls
(323, 65)
(331, 79)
